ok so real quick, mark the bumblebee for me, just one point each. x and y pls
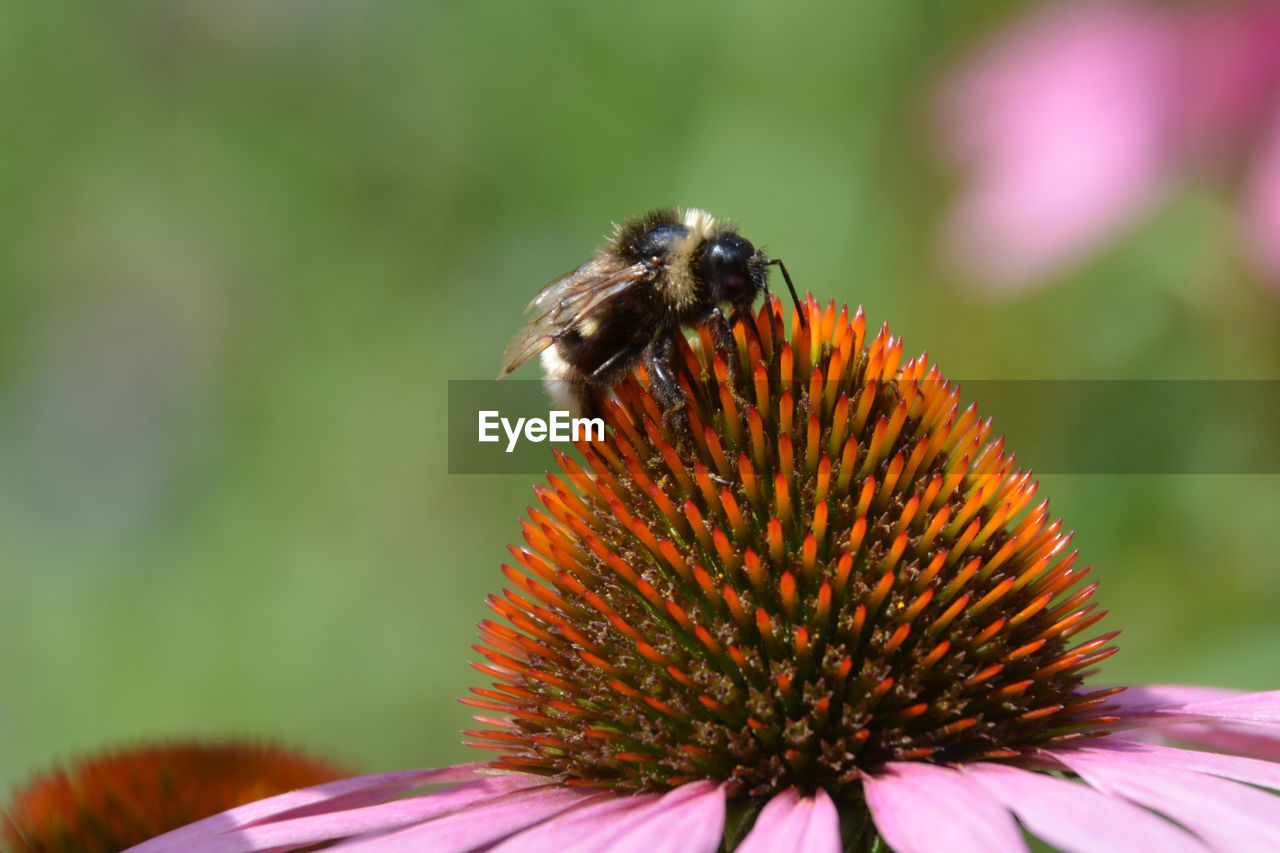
(656, 274)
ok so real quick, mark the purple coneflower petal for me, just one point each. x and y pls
(1231, 71)
(1051, 809)
(579, 828)
(1228, 815)
(478, 826)
(1246, 723)
(1239, 768)
(1218, 737)
(1260, 709)
(1164, 697)
(1262, 204)
(921, 808)
(321, 800)
(688, 819)
(793, 822)
(509, 797)
(1193, 716)
(1064, 129)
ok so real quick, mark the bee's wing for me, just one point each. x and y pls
(566, 302)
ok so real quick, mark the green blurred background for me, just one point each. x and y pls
(244, 245)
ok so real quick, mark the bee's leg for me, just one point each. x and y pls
(722, 336)
(609, 367)
(660, 360)
(589, 401)
(594, 386)
(722, 331)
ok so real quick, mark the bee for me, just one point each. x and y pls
(656, 275)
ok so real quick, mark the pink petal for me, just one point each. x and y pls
(1156, 697)
(688, 819)
(691, 816)
(1239, 768)
(342, 795)
(1065, 129)
(382, 818)
(1051, 808)
(1222, 719)
(579, 826)
(922, 808)
(1262, 203)
(793, 822)
(1219, 737)
(1227, 815)
(478, 826)
(1261, 709)
(1230, 73)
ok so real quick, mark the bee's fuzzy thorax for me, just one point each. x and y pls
(628, 237)
(703, 228)
(701, 225)
(681, 283)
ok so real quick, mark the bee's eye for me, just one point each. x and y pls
(724, 267)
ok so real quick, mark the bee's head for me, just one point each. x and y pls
(731, 268)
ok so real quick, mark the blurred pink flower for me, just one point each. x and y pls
(1075, 122)
(1126, 788)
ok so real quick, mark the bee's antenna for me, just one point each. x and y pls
(774, 262)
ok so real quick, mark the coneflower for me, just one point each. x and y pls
(106, 803)
(837, 618)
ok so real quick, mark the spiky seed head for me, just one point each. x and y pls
(842, 568)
